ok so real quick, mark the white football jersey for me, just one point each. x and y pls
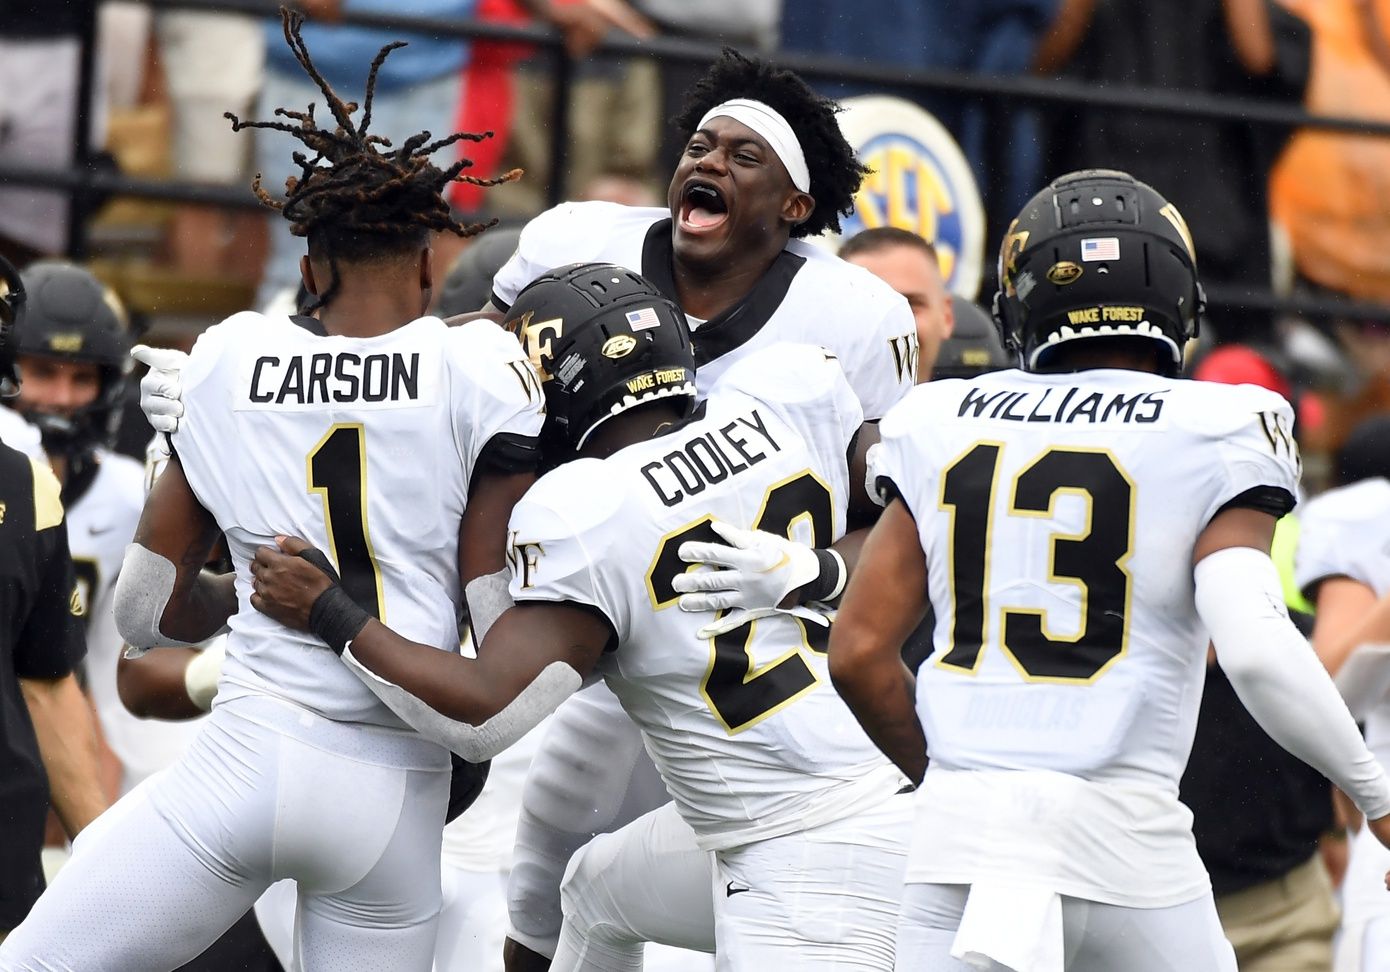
(17, 433)
(1058, 515)
(809, 296)
(364, 447)
(750, 737)
(1345, 532)
(101, 522)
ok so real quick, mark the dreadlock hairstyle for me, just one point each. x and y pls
(365, 204)
(835, 172)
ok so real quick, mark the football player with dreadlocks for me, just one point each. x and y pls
(399, 445)
(1083, 527)
(765, 166)
(801, 816)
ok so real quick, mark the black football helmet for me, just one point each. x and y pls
(72, 316)
(973, 348)
(603, 340)
(12, 300)
(1097, 254)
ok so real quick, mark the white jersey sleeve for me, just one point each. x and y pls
(894, 460)
(1346, 533)
(883, 369)
(206, 376)
(1251, 432)
(807, 386)
(17, 433)
(559, 545)
(504, 394)
(556, 238)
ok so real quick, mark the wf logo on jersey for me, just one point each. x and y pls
(905, 356)
(523, 558)
(1280, 436)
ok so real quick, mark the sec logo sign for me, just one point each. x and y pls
(919, 181)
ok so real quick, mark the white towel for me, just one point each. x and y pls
(1019, 928)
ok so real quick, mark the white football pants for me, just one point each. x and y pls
(1096, 937)
(824, 898)
(591, 775)
(267, 791)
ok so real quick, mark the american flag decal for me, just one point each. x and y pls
(640, 320)
(1104, 248)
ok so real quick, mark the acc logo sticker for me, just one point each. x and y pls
(619, 345)
(920, 181)
(66, 343)
(1064, 272)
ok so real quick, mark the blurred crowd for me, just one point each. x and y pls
(1272, 210)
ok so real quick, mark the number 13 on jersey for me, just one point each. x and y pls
(1091, 560)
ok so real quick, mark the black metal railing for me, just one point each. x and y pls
(86, 184)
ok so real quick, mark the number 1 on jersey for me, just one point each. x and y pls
(337, 471)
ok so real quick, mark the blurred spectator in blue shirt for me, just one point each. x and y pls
(417, 90)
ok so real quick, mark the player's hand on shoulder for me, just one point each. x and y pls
(287, 579)
(161, 390)
(753, 571)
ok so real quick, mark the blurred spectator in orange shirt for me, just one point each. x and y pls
(1331, 191)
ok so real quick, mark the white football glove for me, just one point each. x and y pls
(757, 572)
(161, 390)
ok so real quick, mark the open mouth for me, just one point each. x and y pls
(702, 208)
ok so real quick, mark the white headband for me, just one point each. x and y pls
(774, 129)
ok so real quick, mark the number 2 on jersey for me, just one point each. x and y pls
(739, 693)
(1092, 560)
(337, 471)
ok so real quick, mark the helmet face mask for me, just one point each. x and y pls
(1097, 254)
(70, 316)
(603, 340)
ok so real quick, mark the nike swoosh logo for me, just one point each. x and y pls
(786, 559)
(730, 890)
(97, 531)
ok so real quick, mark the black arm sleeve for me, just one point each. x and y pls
(1274, 500)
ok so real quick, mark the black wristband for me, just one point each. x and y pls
(830, 582)
(336, 618)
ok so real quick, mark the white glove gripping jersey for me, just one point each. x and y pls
(364, 447)
(809, 296)
(1058, 515)
(749, 736)
(101, 521)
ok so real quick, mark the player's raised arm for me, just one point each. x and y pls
(163, 596)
